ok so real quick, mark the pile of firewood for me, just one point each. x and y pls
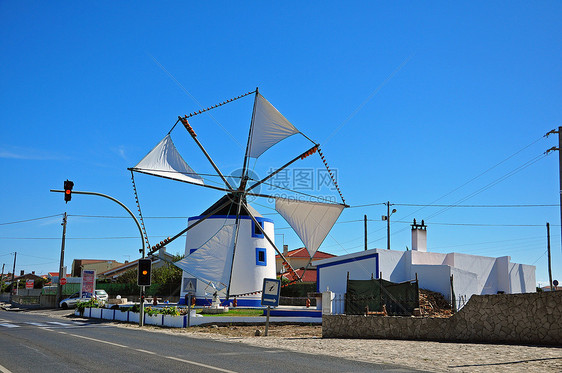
(433, 304)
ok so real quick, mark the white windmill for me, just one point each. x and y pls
(230, 247)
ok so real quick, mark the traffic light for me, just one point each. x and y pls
(145, 267)
(68, 185)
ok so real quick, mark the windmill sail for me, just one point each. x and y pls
(312, 221)
(165, 161)
(269, 127)
(212, 262)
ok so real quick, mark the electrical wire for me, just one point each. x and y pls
(28, 220)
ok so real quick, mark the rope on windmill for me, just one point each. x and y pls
(139, 208)
(331, 175)
(217, 105)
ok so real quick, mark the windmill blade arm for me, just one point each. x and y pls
(158, 246)
(194, 136)
(301, 156)
(182, 181)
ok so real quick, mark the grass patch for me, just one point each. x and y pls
(237, 312)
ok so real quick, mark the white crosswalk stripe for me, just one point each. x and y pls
(47, 324)
(60, 323)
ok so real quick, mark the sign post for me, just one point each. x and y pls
(190, 286)
(270, 297)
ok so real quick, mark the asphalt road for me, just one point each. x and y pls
(37, 343)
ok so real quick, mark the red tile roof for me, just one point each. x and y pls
(309, 275)
(303, 253)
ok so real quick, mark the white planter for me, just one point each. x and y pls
(107, 314)
(174, 321)
(133, 317)
(121, 316)
(94, 313)
(153, 320)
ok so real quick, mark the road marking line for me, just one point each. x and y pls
(37, 324)
(145, 352)
(199, 364)
(58, 323)
(98, 340)
(152, 353)
(4, 370)
(10, 325)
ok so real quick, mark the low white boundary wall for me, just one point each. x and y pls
(181, 321)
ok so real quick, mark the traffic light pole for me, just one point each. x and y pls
(120, 204)
(142, 251)
(61, 266)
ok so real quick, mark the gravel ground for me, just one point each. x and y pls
(430, 356)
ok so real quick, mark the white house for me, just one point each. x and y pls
(471, 274)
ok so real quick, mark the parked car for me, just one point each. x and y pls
(74, 298)
(101, 295)
(71, 301)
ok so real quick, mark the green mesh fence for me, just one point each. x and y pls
(399, 298)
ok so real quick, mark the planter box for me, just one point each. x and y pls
(175, 321)
(133, 317)
(94, 312)
(153, 320)
(121, 316)
(107, 314)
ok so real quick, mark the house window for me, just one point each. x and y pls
(261, 258)
(256, 232)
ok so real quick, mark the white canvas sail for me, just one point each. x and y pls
(269, 127)
(212, 262)
(165, 160)
(312, 221)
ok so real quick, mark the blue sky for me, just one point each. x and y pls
(409, 102)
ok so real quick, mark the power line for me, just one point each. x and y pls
(478, 206)
(28, 220)
(76, 238)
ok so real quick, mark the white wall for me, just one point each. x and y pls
(420, 257)
(483, 267)
(394, 265)
(332, 273)
(522, 278)
(465, 284)
(433, 277)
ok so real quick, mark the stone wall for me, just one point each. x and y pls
(532, 318)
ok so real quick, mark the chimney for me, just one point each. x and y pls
(285, 250)
(32, 272)
(22, 272)
(419, 236)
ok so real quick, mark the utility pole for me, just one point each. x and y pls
(559, 132)
(2, 277)
(387, 218)
(13, 276)
(549, 262)
(61, 266)
(365, 232)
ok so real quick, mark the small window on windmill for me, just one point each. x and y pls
(256, 232)
(261, 258)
